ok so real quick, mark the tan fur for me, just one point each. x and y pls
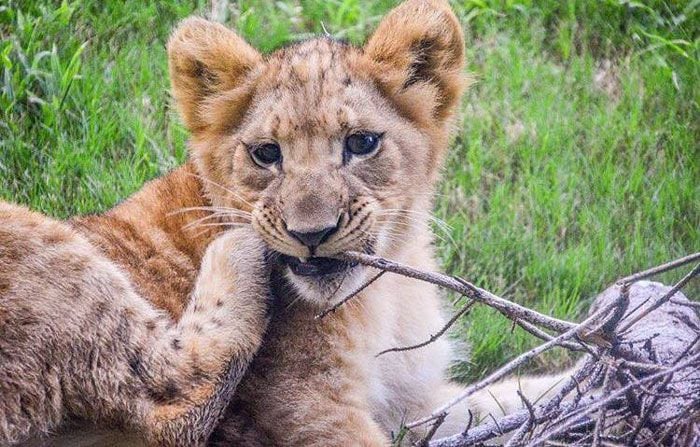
(77, 342)
(313, 382)
(147, 236)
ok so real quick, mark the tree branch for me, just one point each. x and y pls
(508, 308)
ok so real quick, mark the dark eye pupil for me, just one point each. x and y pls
(267, 154)
(361, 143)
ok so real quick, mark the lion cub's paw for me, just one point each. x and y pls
(239, 252)
(235, 268)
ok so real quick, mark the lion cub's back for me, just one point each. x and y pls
(37, 253)
(52, 295)
(44, 269)
(49, 274)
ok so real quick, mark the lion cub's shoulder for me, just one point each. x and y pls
(150, 236)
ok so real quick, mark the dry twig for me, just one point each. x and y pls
(463, 311)
(508, 308)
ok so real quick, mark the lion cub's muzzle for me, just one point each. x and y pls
(313, 239)
(310, 250)
(315, 266)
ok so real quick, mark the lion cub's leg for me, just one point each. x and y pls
(307, 387)
(76, 341)
(212, 344)
(311, 415)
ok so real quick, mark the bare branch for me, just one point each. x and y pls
(648, 368)
(350, 296)
(651, 397)
(656, 304)
(437, 335)
(539, 333)
(607, 385)
(425, 442)
(489, 430)
(508, 308)
(562, 425)
(659, 269)
(524, 429)
(513, 364)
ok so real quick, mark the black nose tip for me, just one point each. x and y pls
(314, 238)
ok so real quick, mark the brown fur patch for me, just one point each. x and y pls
(146, 236)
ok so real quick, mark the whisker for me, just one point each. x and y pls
(200, 233)
(409, 224)
(208, 208)
(220, 224)
(445, 238)
(416, 220)
(271, 256)
(414, 213)
(408, 211)
(195, 223)
(386, 231)
(430, 195)
(442, 227)
(279, 239)
(340, 284)
(396, 238)
(429, 216)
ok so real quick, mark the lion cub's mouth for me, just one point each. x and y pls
(315, 267)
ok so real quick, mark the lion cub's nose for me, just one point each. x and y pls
(313, 239)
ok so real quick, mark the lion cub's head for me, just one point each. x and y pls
(331, 147)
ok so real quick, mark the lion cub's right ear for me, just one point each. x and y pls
(209, 65)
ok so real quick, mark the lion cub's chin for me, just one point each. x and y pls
(325, 290)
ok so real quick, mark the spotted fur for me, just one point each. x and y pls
(79, 343)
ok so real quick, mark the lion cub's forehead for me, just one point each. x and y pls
(312, 64)
(312, 88)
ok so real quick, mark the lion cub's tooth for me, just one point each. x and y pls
(303, 260)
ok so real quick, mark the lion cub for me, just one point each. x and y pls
(333, 148)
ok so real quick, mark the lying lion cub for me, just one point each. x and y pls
(321, 148)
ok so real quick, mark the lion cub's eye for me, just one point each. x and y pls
(361, 143)
(266, 154)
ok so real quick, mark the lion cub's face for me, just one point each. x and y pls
(331, 147)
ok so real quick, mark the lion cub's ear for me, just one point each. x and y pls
(418, 57)
(208, 68)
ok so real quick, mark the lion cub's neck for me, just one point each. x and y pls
(147, 235)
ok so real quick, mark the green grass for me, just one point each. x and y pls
(557, 184)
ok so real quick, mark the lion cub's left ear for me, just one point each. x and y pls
(209, 66)
(418, 57)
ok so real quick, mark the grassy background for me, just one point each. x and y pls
(577, 160)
